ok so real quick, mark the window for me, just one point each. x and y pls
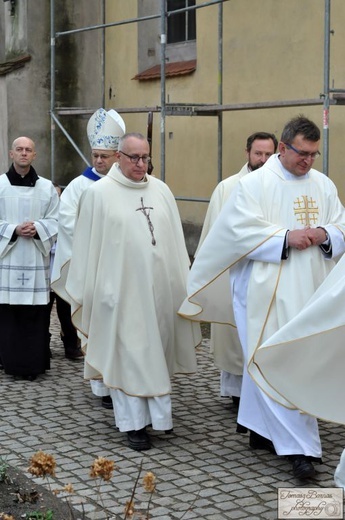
(181, 26)
(180, 51)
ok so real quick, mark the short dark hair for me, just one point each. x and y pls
(300, 125)
(262, 136)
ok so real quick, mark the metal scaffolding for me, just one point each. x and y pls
(215, 110)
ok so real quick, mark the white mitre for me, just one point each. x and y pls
(104, 129)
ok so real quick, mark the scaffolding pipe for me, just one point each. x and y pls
(261, 104)
(327, 31)
(337, 90)
(163, 89)
(69, 138)
(139, 19)
(52, 91)
(179, 109)
(103, 54)
(194, 109)
(220, 92)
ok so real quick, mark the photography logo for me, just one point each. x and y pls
(310, 503)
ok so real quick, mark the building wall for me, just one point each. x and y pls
(25, 93)
(25, 111)
(272, 51)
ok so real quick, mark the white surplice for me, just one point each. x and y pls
(69, 201)
(25, 263)
(268, 292)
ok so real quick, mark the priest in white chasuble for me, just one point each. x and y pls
(275, 241)
(126, 281)
(28, 227)
(225, 345)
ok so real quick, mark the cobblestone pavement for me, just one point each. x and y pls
(204, 469)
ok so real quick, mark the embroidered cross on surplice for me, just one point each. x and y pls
(23, 279)
(146, 211)
(306, 210)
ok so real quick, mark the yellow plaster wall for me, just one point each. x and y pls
(272, 51)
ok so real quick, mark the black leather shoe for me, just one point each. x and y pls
(75, 354)
(257, 442)
(236, 401)
(107, 402)
(302, 468)
(30, 377)
(240, 428)
(139, 440)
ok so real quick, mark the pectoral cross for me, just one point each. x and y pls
(306, 210)
(23, 279)
(146, 211)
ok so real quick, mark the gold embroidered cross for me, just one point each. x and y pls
(306, 210)
(144, 209)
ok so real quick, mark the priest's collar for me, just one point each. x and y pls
(16, 179)
(116, 174)
(290, 176)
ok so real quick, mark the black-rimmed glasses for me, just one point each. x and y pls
(136, 158)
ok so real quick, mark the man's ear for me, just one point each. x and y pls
(281, 148)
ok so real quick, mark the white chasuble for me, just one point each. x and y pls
(224, 344)
(314, 340)
(126, 281)
(268, 292)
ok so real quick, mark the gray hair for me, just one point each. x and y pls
(124, 138)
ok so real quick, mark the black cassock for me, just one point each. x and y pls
(24, 339)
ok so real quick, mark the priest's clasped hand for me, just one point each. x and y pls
(304, 238)
(317, 235)
(26, 230)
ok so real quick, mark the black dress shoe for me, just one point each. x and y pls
(30, 377)
(257, 442)
(75, 354)
(139, 440)
(107, 402)
(302, 468)
(236, 400)
(241, 429)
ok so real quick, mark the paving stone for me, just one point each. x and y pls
(204, 469)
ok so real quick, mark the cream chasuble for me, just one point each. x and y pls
(224, 345)
(126, 281)
(219, 197)
(248, 238)
(314, 339)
